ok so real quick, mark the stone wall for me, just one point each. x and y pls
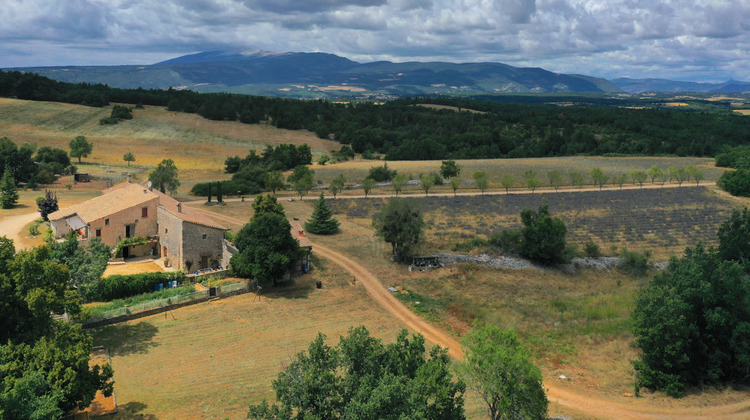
(202, 243)
(170, 237)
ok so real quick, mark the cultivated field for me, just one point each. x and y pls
(578, 325)
(356, 171)
(664, 221)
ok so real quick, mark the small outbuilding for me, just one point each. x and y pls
(80, 177)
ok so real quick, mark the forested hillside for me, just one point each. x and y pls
(403, 130)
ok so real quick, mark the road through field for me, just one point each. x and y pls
(572, 399)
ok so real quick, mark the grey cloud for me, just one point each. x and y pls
(309, 6)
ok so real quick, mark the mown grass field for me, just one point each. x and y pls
(212, 360)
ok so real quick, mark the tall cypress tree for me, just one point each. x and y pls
(322, 221)
(9, 196)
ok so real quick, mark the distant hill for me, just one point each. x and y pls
(664, 85)
(325, 75)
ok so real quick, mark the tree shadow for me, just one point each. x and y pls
(299, 287)
(131, 410)
(125, 339)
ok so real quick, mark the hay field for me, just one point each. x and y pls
(356, 171)
(213, 359)
(152, 135)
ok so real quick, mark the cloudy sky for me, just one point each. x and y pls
(700, 40)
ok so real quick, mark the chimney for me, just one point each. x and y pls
(301, 233)
(179, 208)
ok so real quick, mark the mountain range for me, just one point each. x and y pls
(327, 75)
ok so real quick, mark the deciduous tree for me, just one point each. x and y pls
(455, 184)
(266, 249)
(638, 177)
(654, 173)
(401, 226)
(692, 324)
(80, 147)
(426, 182)
(337, 184)
(129, 157)
(481, 179)
(500, 368)
(449, 169)
(362, 378)
(398, 183)
(507, 182)
(543, 236)
(164, 176)
(599, 177)
(367, 185)
(555, 179)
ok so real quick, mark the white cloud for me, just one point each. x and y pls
(678, 39)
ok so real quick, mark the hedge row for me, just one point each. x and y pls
(228, 187)
(123, 286)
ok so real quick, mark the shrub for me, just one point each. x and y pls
(591, 249)
(635, 263)
(123, 286)
(381, 173)
(231, 187)
(543, 236)
(735, 182)
(507, 241)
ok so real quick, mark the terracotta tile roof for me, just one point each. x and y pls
(113, 200)
(299, 234)
(188, 214)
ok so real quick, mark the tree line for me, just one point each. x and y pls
(403, 130)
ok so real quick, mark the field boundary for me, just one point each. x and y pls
(154, 307)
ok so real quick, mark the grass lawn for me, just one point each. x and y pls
(213, 359)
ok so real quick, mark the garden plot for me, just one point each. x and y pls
(664, 221)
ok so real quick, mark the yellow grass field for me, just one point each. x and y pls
(742, 111)
(577, 325)
(152, 135)
(213, 359)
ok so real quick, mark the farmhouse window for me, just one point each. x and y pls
(144, 212)
(205, 236)
(98, 233)
(106, 222)
(166, 231)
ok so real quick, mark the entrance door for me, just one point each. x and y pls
(126, 252)
(129, 230)
(204, 261)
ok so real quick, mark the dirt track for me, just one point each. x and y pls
(572, 399)
(12, 227)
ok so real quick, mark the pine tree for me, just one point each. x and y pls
(9, 192)
(322, 221)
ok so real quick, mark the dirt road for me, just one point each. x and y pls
(569, 398)
(314, 194)
(12, 227)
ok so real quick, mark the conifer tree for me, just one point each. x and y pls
(322, 221)
(9, 191)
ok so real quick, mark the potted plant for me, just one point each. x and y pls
(167, 262)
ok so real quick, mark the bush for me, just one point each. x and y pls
(229, 187)
(591, 249)
(123, 286)
(543, 236)
(507, 241)
(735, 182)
(381, 173)
(108, 121)
(635, 263)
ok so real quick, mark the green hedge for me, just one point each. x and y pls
(123, 286)
(735, 182)
(228, 187)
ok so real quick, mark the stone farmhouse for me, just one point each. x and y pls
(181, 235)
